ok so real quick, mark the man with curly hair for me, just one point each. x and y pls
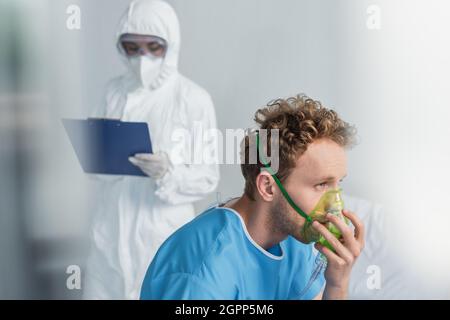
(254, 246)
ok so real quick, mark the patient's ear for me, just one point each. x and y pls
(265, 185)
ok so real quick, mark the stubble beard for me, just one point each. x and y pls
(284, 220)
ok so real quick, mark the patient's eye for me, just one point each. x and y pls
(322, 185)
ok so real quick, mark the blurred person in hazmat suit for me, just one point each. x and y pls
(136, 214)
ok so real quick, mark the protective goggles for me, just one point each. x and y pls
(133, 45)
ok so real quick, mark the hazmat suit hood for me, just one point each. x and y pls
(156, 18)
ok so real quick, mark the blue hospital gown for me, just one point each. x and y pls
(214, 257)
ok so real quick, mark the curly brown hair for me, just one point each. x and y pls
(300, 121)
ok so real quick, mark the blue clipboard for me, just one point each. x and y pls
(103, 146)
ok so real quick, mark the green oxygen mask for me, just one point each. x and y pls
(330, 202)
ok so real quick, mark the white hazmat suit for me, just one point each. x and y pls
(136, 214)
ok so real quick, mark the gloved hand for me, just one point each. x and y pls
(155, 165)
